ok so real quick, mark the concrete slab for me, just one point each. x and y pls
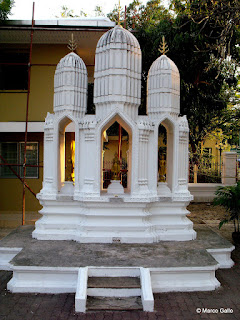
(164, 254)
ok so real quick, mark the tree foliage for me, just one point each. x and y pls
(69, 13)
(5, 9)
(140, 16)
(201, 35)
(99, 12)
(217, 21)
(229, 198)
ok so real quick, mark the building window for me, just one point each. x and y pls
(9, 151)
(13, 70)
(13, 153)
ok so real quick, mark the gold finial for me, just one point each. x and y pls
(163, 48)
(119, 9)
(72, 44)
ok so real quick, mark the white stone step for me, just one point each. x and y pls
(114, 286)
(113, 289)
(116, 304)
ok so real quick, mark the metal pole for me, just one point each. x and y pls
(26, 125)
(120, 150)
(120, 143)
(20, 165)
(220, 150)
(17, 175)
(125, 17)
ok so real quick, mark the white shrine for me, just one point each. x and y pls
(150, 208)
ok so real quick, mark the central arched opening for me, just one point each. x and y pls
(162, 154)
(116, 155)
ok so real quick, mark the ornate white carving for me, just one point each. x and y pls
(183, 129)
(89, 136)
(49, 120)
(88, 181)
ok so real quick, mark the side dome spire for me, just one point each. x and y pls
(163, 84)
(70, 85)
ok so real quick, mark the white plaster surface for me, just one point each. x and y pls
(62, 280)
(223, 256)
(6, 255)
(81, 291)
(184, 279)
(146, 293)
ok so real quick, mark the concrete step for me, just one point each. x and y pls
(114, 282)
(118, 304)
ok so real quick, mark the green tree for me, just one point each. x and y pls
(217, 20)
(196, 44)
(212, 29)
(5, 9)
(99, 12)
(139, 16)
(229, 198)
(69, 13)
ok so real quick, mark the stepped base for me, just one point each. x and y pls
(114, 220)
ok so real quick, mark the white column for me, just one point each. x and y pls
(49, 188)
(89, 157)
(61, 158)
(77, 159)
(143, 159)
(229, 168)
(183, 155)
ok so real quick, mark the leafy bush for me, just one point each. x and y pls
(229, 198)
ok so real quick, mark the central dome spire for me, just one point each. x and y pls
(118, 71)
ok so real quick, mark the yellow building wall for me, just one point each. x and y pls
(216, 141)
(13, 105)
(13, 108)
(211, 144)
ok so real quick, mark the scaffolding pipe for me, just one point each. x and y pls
(68, 29)
(17, 175)
(26, 124)
(125, 18)
(20, 165)
(35, 64)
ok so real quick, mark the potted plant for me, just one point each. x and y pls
(229, 198)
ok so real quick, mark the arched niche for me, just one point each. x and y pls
(162, 153)
(66, 152)
(116, 142)
(166, 153)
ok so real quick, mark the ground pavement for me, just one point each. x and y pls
(223, 303)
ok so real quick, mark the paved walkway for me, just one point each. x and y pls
(224, 303)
